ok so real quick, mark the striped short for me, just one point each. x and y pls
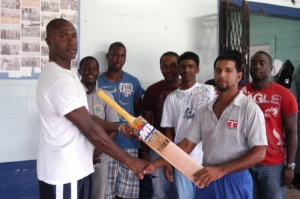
(73, 190)
(122, 182)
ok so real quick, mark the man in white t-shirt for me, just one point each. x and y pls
(64, 161)
(179, 111)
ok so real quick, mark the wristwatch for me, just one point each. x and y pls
(291, 165)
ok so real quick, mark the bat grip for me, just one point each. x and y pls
(129, 118)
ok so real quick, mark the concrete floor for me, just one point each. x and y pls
(293, 193)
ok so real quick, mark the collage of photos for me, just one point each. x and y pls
(22, 39)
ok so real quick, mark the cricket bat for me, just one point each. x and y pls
(157, 141)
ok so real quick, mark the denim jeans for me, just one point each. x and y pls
(159, 183)
(267, 182)
(185, 187)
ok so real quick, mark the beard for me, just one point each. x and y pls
(222, 89)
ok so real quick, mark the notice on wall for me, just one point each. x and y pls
(24, 51)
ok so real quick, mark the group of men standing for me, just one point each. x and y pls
(248, 135)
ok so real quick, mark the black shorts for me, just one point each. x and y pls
(75, 190)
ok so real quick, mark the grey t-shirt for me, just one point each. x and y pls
(240, 127)
(99, 108)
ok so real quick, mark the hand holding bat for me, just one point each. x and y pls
(157, 141)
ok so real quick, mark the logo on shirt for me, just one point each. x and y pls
(232, 124)
(98, 109)
(280, 141)
(189, 113)
(126, 89)
(263, 98)
(273, 111)
(194, 99)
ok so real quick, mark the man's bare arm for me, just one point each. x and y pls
(99, 138)
(106, 125)
(291, 141)
(112, 128)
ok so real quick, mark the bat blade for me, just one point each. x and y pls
(166, 148)
(157, 141)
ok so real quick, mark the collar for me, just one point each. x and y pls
(237, 101)
(93, 91)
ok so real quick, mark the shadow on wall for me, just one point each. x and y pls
(205, 33)
(101, 57)
(18, 180)
(296, 78)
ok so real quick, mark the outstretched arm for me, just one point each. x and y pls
(99, 138)
(106, 125)
(112, 128)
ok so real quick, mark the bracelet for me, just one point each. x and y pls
(120, 127)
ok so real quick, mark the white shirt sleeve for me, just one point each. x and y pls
(65, 97)
(194, 131)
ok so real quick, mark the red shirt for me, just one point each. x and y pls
(275, 101)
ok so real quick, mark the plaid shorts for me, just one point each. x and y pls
(122, 181)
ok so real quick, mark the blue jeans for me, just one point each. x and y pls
(159, 183)
(267, 182)
(185, 187)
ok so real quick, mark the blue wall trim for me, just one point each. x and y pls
(269, 9)
(18, 180)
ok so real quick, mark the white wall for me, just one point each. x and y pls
(148, 28)
(19, 122)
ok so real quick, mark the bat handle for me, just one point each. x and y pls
(129, 118)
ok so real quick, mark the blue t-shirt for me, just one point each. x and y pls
(125, 92)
